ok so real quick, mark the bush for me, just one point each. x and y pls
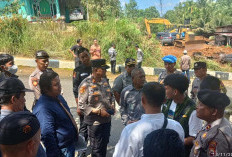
(12, 31)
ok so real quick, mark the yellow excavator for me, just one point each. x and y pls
(165, 22)
(185, 36)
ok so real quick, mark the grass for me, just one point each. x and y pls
(18, 37)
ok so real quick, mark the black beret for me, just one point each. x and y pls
(11, 86)
(99, 63)
(213, 98)
(18, 127)
(41, 54)
(130, 61)
(199, 65)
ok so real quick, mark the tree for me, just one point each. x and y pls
(103, 8)
(131, 9)
(151, 12)
(11, 7)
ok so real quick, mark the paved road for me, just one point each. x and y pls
(68, 95)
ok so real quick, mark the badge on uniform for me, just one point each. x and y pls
(82, 89)
(204, 135)
(196, 149)
(34, 81)
(212, 148)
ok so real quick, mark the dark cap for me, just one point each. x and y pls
(169, 59)
(213, 98)
(130, 61)
(99, 63)
(11, 86)
(199, 65)
(18, 127)
(41, 54)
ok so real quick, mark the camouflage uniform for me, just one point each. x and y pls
(196, 87)
(214, 140)
(164, 74)
(131, 104)
(121, 82)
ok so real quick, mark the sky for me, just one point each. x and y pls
(167, 4)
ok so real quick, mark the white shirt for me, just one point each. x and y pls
(132, 137)
(195, 123)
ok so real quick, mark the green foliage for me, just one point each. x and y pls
(12, 31)
(204, 14)
(123, 33)
(11, 7)
(103, 9)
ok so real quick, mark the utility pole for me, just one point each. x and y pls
(161, 8)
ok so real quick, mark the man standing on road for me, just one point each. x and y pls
(42, 61)
(215, 138)
(112, 53)
(200, 70)
(75, 50)
(185, 64)
(130, 102)
(181, 108)
(95, 50)
(139, 56)
(79, 74)
(96, 101)
(132, 137)
(169, 64)
(124, 79)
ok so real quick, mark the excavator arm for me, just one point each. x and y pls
(156, 21)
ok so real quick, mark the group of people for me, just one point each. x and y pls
(160, 118)
(95, 53)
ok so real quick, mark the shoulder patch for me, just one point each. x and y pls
(82, 89)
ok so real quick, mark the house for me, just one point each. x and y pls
(223, 35)
(33, 10)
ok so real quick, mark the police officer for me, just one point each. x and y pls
(42, 61)
(112, 53)
(96, 101)
(200, 70)
(215, 138)
(131, 98)
(169, 64)
(20, 135)
(79, 74)
(124, 79)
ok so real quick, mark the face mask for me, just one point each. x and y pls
(13, 69)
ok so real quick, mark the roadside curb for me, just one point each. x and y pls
(120, 68)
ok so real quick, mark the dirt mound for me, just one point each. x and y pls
(208, 51)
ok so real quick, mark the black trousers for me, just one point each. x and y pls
(113, 65)
(99, 138)
(83, 128)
